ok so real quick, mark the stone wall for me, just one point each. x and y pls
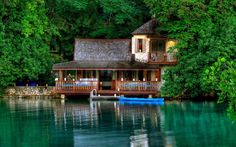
(30, 91)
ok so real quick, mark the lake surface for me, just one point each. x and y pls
(43, 122)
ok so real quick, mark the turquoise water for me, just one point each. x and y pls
(45, 122)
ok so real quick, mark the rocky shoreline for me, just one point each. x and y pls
(30, 91)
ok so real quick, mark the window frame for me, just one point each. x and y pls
(137, 49)
(157, 40)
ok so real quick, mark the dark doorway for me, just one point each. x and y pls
(140, 75)
(105, 79)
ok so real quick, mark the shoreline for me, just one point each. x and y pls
(47, 91)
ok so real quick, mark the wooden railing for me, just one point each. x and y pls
(137, 86)
(119, 85)
(162, 57)
(76, 85)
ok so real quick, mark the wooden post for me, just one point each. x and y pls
(145, 74)
(61, 75)
(158, 74)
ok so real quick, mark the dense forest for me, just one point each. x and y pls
(206, 34)
(37, 33)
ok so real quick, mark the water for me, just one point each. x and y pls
(44, 122)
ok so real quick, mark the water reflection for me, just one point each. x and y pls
(148, 125)
(139, 138)
(46, 122)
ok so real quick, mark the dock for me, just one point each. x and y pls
(95, 96)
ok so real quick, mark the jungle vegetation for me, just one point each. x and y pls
(206, 34)
(34, 34)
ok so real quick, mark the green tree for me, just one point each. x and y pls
(93, 19)
(25, 35)
(221, 77)
(205, 31)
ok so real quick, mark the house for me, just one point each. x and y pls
(117, 66)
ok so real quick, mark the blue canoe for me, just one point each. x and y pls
(150, 100)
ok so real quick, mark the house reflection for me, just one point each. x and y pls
(145, 119)
(139, 120)
(136, 125)
(78, 114)
(139, 139)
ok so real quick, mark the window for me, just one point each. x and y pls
(158, 45)
(140, 45)
(154, 45)
(161, 45)
(89, 74)
(129, 75)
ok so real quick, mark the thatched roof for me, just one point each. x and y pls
(149, 28)
(101, 65)
(102, 50)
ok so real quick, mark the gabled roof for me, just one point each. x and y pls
(101, 65)
(102, 50)
(149, 28)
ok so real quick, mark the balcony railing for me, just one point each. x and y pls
(76, 85)
(162, 57)
(73, 86)
(137, 86)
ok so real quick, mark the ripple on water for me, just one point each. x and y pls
(40, 122)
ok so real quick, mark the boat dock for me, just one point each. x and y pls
(95, 96)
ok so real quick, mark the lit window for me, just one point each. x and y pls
(140, 45)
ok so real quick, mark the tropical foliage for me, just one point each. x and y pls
(24, 38)
(36, 33)
(206, 33)
(93, 19)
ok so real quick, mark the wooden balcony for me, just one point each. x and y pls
(137, 86)
(121, 87)
(162, 58)
(75, 86)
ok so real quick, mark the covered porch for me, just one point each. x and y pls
(108, 78)
(108, 82)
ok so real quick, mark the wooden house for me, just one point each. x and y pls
(117, 66)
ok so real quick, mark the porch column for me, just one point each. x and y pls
(78, 74)
(120, 75)
(97, 74)
(98, 79)
(136, 75)
(61, 75)
(114, 75)
(153, 75)
(158, 74)
(145, 74)
(114, 78)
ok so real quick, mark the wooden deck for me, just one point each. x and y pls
(107, 92)
(119, 88)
